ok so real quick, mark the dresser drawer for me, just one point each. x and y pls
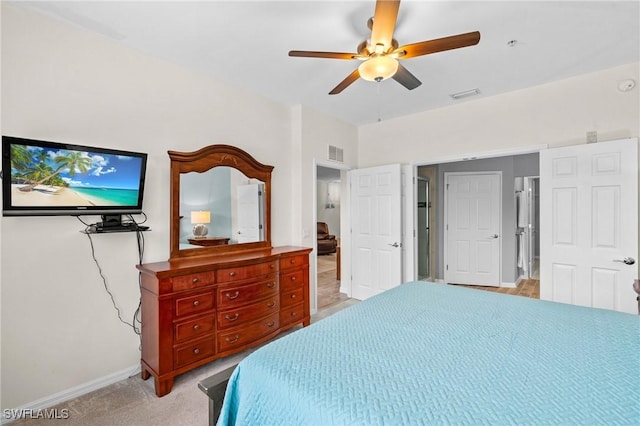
(243, 335)
(187, 330)
(237, 316)
(291, 314)
(191, 281)
(294, 261)
(237, 295)
(291, 280)
(291, 298)
(244, 272)
(192, 352)
(193, 304)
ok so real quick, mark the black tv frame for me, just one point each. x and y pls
(111, 212)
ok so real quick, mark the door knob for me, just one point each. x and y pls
(626, 260)
(494, 236)
(395, 245)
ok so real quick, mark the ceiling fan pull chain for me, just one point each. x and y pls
(378, 96)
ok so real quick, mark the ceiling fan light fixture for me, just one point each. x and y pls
(378, 68)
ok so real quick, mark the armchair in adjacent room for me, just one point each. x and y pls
(327, 243)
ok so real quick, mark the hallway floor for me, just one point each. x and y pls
(328, 282)
(527, 288)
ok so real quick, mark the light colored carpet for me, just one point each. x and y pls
(133, 402)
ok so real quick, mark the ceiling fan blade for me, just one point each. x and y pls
(346, 82)
(384, 23)
(438, 45)
(329, 55)
(404, 77)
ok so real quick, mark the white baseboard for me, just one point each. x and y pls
(511, 285)
(76, 391)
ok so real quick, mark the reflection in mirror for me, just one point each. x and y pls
(232, 203)
(224, 193)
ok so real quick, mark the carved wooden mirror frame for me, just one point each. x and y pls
(201, 161)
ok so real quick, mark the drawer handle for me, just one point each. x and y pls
(293, 296)
(272, 266)
(271, 285)
(271, 324)
(230, 296)
(234, 340)
(230, 318)
(196, 302)
(195, 280)
(271, 304)
(196, 351)
(293, 261)
(196, 327)
(293, 314)
(293, 278)
(232, 274)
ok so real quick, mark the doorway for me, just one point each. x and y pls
(527, 192)
(423, 206)
(426, 221)
(511, 166)
(328, 212)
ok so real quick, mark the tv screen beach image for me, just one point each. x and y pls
(46, 177)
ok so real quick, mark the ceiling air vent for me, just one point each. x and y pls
(335, 153)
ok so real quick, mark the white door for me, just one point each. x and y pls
(250, 227)
(376, 229)
(472, 230)
(589, 224)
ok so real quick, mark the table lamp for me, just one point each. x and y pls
(198, 219)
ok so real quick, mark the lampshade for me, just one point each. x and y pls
(200, 216)
(378, 68)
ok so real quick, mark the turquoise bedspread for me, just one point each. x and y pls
(425, 353)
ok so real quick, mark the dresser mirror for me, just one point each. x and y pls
(220, 202)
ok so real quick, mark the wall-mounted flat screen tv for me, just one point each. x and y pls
(51, 178)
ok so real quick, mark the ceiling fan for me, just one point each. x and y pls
(380, 54)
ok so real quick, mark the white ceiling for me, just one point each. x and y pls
(246, 44)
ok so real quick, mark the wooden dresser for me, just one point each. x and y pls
(198, 309)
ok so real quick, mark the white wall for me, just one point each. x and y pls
(64, 84)
(556, 114)
(316, 133)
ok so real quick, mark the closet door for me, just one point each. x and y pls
(589, 224)
(473, 227)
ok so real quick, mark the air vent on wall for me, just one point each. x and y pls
(465, 94)
(335, 153)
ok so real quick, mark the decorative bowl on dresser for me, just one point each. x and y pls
(213, 300)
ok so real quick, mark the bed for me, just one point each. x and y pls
(426, 353)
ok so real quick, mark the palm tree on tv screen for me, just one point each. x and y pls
(73, 160)
(20, 158)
